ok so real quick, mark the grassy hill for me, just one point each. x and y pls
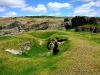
(80, 55)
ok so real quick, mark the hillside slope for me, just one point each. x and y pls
(80, 55)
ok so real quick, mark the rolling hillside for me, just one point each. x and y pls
(79, 55)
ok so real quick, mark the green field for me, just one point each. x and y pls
(80, 55)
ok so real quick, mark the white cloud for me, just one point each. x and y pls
(82, 0)
(28, 8)
(94, 13)
(40, 8)
(86, 0)
(57, 6)
(10, 14)
(13, 3)
(2, 9)
(97, 3)
(83, 11)
(87, 9)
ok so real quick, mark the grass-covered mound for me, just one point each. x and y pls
(79, 55)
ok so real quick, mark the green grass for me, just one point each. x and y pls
(5, 38)
(42, 34)
(80, 55)
(90, 25)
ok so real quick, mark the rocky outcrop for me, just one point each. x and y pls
(54, 26)
(16, 27)
(53, 44)
(13, 25)
(42, 26)
(10, 32)
(67, 23)
(12, 29)
(79, 21)
(94, 20)
(96, 30)
(77, 29)
(88, 29)
(23, 47)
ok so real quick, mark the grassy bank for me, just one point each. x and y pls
(80, 55)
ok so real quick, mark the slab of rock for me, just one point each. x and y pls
(14, 51)
(25, 46)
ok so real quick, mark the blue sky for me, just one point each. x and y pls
(12, 8)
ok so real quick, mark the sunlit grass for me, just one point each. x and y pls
(79, 55)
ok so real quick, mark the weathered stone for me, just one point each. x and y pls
(88, 29)
(55, 49)
(42, 26)
(53, 44)
(1, 33)
(78, 21)
(66, 19)
(85, 29)
(25, 46)
(77, 29)
(14, 51)
(12, 25)
(67, 23)
(91, 29)
(12, 31)
(93, 20)
(96, 30)
(1, 27)
(50, 44)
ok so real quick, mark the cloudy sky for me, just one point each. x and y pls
(12, 8)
